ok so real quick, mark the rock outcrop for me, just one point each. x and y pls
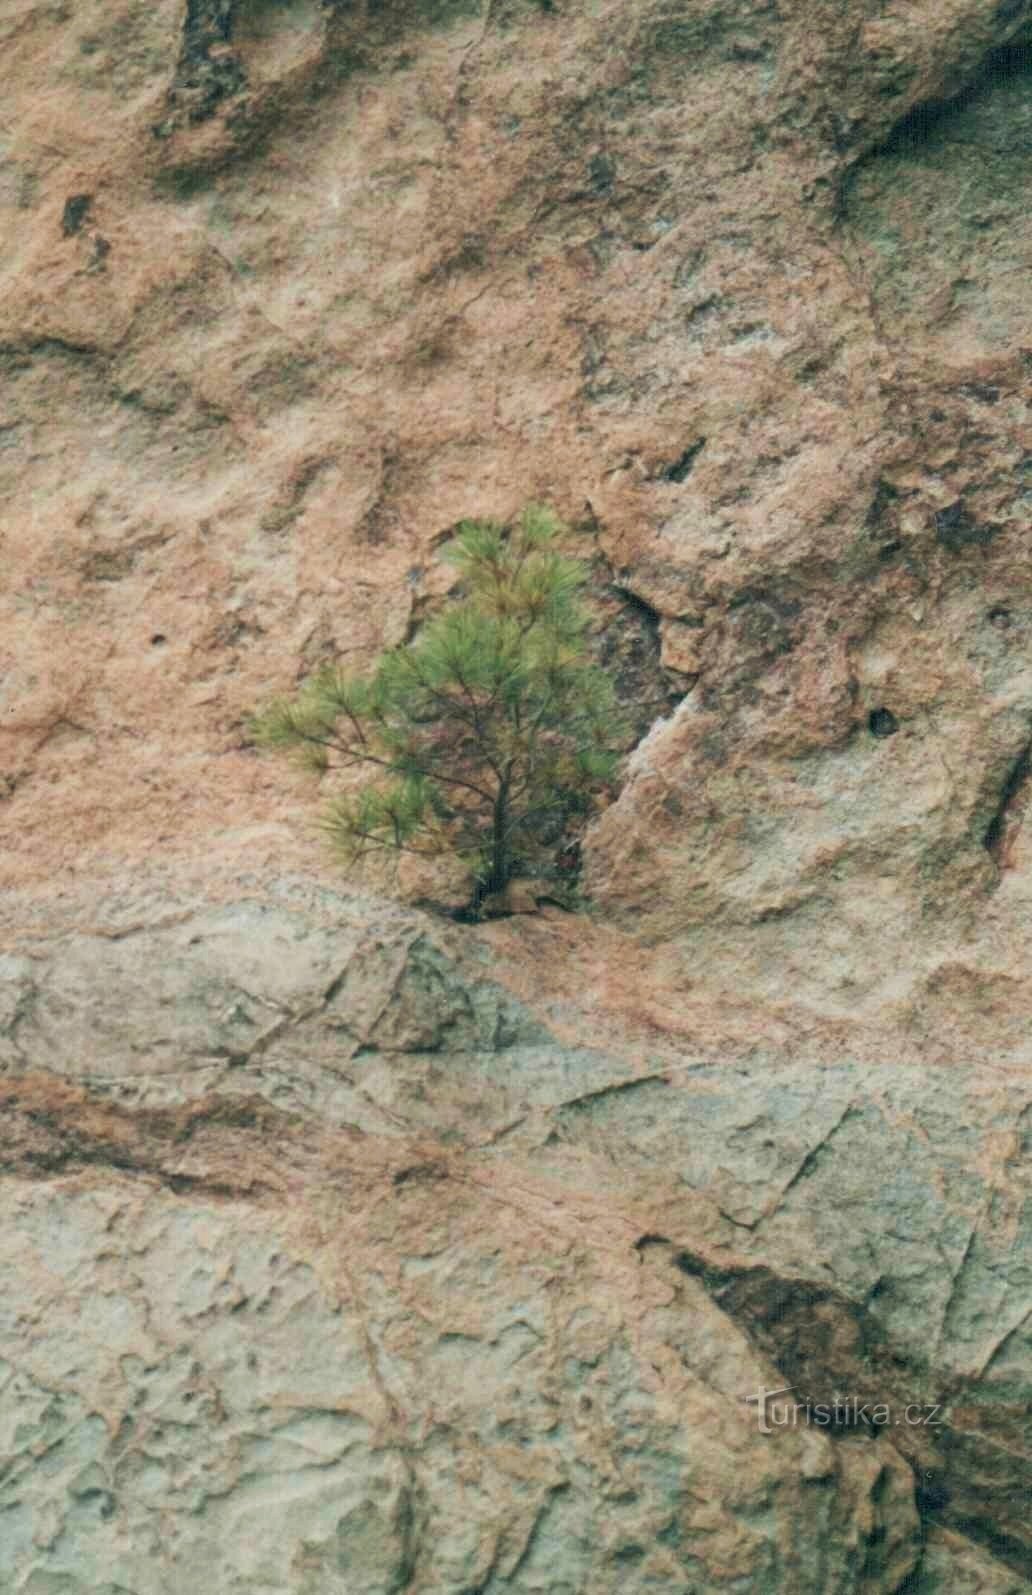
(329, 1262)
(349, 1250)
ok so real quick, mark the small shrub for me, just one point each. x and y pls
(486, 736)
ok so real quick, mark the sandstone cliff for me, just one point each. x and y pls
(346, 1250)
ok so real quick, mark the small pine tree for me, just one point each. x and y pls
(485, 736)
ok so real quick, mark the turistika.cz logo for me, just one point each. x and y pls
(841, 1412)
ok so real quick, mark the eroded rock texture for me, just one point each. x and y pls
(331, 1264)
(348, 1251)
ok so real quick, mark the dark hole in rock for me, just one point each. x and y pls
(1014, 783)
(601, 172)
(955, 529)
(887, 550)
(627, 645)
(884, 495)
(930, 1494)
(1000, 618)
(419, 1171)
(926, 121)
(157, 639)
(882, 723)
(680, 470)
(984, 392)
(74, 214)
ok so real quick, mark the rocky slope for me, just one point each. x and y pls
(347, 1250)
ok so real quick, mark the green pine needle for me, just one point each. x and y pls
(487, 735)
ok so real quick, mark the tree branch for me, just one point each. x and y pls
(442, 697)
(369, 838)
(352, 756)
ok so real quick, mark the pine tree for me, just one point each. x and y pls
(486, 735)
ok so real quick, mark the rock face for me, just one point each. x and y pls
(349, 1251)
(330, 1264)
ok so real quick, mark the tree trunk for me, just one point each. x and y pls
(499, 840)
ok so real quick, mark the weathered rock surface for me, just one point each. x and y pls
(289, 289)
(331, 1264)
(348, 1251)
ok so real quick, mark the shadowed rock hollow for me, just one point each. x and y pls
(345, 1250)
